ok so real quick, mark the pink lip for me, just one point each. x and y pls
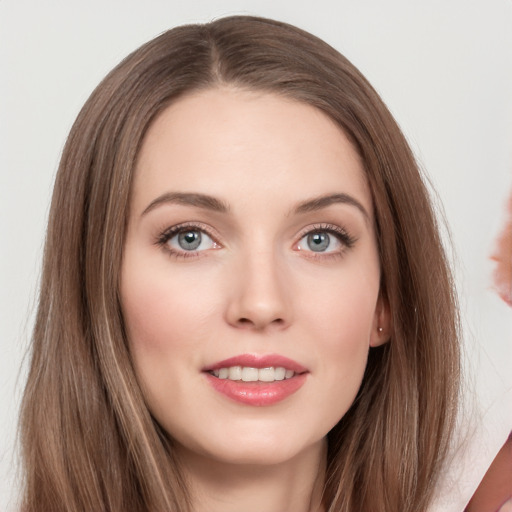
(258, 394)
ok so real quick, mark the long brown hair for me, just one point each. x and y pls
(88, 440)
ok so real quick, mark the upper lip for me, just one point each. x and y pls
(258, 361)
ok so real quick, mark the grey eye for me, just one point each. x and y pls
(322, 241)
(318, 242)
(189, 240)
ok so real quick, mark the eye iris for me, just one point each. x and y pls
(318, 242)
(189, 240)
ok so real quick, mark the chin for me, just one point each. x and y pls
(263, 454)
(257, 447)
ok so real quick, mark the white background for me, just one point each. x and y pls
(444, 67)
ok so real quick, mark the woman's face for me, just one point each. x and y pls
(250, 278)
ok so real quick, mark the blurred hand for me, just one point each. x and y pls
(503, 257)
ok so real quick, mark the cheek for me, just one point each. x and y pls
(343, 334)
(342, 311)
(162, 309)
(168, 322)
(341, 319)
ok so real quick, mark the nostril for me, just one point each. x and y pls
(247, 322)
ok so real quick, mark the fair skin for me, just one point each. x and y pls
(250, 235)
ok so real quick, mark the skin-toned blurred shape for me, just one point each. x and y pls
(502, 255)
(495, 491)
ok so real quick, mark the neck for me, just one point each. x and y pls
(217, 486)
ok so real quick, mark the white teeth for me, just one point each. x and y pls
(280, 373)
(267, 374)
(248, 374)
(235, 373)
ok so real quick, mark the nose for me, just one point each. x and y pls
(259, 298)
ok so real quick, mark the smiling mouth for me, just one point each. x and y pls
(258, 387)
(256, 379)
(249, 374)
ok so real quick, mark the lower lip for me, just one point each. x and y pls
(257, 394)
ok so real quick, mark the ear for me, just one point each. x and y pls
(381, 328)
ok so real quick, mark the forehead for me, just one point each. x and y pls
(228, 141)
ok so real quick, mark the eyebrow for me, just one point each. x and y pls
(213, 204)
(320, 202)
(188, 199)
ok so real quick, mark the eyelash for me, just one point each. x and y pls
(341, 234)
